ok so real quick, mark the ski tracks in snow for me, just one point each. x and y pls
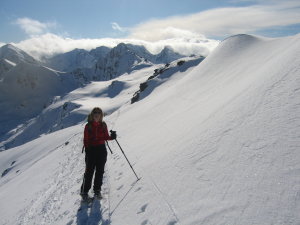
(49, 205)
(55, 201)
(137, 208)
(59, 200)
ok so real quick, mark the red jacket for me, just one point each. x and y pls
(95, 133)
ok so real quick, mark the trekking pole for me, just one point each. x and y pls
(126, 157)
(109, 147)
(127, 160)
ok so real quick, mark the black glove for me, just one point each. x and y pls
(113, 134)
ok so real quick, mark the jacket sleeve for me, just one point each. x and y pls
(106, 135)
(86, 137)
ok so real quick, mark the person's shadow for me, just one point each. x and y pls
(91, 213)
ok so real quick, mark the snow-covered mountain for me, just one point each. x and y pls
(28, 86)
(15, 55)
(60, 112)
(10, 56)
(167, 55)
(5, 66)
(104, 63)
(72, 60)
(121, 59)
(27, 89)
(213, 143)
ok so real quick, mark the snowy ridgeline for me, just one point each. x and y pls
(216, 143)
(36, 97)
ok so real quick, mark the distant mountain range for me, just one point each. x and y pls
(28, 86)
(105, 63)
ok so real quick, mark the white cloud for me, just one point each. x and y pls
(184, 33)
(117, 27)
(50, 44)
(221, 22)
(34, 27)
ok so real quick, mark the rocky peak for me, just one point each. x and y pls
(15, 55)
(168, 55)
(100, 52)
(69, 61)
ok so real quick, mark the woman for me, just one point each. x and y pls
(95, 135)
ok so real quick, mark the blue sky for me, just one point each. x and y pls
(90, 18)
(152, 21)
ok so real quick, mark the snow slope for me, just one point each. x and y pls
(28, 87)
(78, 58)
(225, 150)
(15, 55)
(67, 110)
(214, 144)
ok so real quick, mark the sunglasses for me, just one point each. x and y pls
(97, 112)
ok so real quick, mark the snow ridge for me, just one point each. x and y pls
(36, 87)
(215, 143)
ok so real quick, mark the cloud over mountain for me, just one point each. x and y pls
(220, 22)
(50, 44)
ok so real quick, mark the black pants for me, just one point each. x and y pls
(95, 159)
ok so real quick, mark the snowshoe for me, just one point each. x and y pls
(97, 195)
(85, 198)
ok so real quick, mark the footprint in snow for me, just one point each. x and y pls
(119, 176)
(118, 173)
(145, 222)
(172, 222)
(117, 157)
(71, 222)
(6, 171)
(138, 189)
(143, 209)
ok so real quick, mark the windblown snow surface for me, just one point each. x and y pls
(218, 143)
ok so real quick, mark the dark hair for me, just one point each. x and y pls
(96, 109)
